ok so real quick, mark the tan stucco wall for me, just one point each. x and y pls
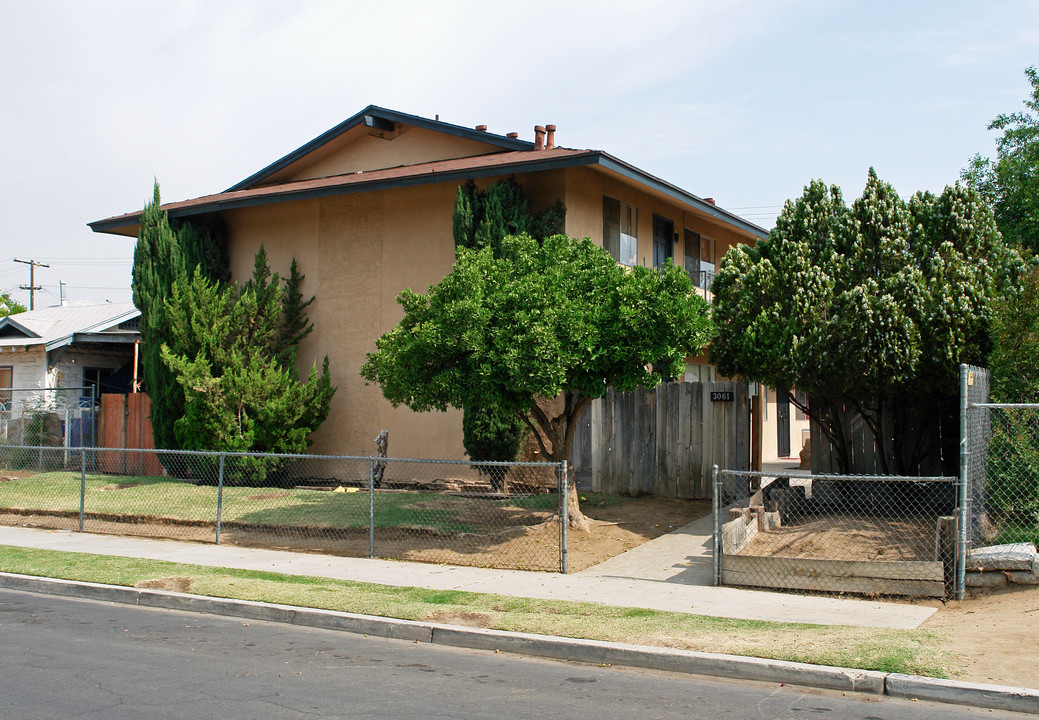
(770, 429)
(357, 253)
(584, 191)
(366, 151)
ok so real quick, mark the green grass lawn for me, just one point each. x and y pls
(905, 651)
(170, 498)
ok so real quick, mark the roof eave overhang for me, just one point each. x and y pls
(8, 321)
(92, 338)
(676, 193)
(460, 175)
(128, 223)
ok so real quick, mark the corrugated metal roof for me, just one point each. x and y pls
(55, 326)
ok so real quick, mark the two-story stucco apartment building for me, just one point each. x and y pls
(366, 210)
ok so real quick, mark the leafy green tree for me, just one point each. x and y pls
(557, 319)
(1013, 449)
(1011, 182)
(223, 347)
(1014, 362)
(873, 305)
(10, 306)
(482, 218)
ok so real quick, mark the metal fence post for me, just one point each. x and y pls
(564, 520)
(716, 549)
(371, 508)
(961, 504)
(82, 486)
(219, 496)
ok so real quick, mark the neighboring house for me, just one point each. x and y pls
(84, 348)
(73, 345)
(366, 210)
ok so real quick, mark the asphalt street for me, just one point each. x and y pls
(62, 658)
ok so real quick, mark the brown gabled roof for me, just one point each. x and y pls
(456, 169)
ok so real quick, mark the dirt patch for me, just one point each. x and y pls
(270, 496)
(848, 538)
(468, 619)
(173, 584)
(993, 635)
(522, 539)
(120, 486)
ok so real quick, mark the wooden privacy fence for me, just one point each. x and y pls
(938, 436)
(663, 441)
(126, 423)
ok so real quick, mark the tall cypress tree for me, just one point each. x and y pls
(295, 325)
(203, 244)
(157, 265)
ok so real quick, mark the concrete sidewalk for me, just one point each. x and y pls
(670, 573)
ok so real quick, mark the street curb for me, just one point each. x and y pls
(998, 697)
(559, 648)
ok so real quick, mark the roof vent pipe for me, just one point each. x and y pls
(481, 128)
(539, 137)
(710, 201)
(512, 135)
(551, 141)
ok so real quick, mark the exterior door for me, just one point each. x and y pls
(782, 423)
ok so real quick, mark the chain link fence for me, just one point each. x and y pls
(1001, 470)
(866, 534)
(501, 515)
(48, 417)
(1004, 482)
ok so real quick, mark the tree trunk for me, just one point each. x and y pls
(557, 432)
(575, 519)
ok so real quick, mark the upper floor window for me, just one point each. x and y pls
(620, 231)
(699, 259)
(664, 239)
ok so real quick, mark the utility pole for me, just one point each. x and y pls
(32, 287)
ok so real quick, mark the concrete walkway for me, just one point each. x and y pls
(672, 573)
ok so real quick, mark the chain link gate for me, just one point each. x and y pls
(892, 535)
(864, 534)
(1000, 483)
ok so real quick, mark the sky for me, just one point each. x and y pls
(744, 101)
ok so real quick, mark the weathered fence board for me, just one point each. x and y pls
(126, 423)
(663, 440)
(863, 451)
(913, 578)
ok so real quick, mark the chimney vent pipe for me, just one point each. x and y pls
(551, 141)
(481, 128)
(539, 137)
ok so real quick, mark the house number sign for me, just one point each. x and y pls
(722, 396)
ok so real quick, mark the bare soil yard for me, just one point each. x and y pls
(617, 525)
(841, 537)
(994, 635)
